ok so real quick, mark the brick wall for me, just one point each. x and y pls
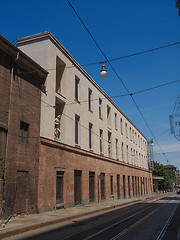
(21, 167)
(58, 157)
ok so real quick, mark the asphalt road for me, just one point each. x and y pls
(148, 220)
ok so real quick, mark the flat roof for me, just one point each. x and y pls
(158, 178)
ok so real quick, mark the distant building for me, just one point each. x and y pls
(20, 93)
(90, 150)
(177, 178)
(170, 167)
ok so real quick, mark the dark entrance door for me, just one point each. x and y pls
(136, 186)
(91, 186)
(22, 195)
(77, 187)
(129, 189)
(59, 187)
(133, 186)
(118, 186)
(102, 179)
(124, 186)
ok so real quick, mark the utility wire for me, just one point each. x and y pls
(107, 60)
(162, 133)
(124, 95)
(136, 157)
(133, 93)
(119, 58)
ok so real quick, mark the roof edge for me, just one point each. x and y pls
(49, 35)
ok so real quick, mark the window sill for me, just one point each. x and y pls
(91, 150)
(77, 146)
(100, 118)
(60, 94)
(77, 101)
(59, 206)
(90, 111)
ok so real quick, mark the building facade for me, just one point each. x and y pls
(20, 92)
(90, 150)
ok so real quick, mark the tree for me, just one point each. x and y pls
(169, 177)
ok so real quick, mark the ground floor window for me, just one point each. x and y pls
(111, 181)
(118, 186)
(102, 181)
(77, 187)
(59, 186)
(91, 186)
(124, 186)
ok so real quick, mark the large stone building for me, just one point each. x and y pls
(89, 149)
(20, 93)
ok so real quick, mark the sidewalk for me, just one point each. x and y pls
(24, 223)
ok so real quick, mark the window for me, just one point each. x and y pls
(109, 116)
(90, 99)
(101, 140)
(122, 151)
(100, 108)
(102, 184)
(91, 186)
(111, 181)
(77, 129)
(77, 89)
(133, 135)
(136, 158)
(126, 130)
(109, 144)
(115, 119)
(60, 69)
(59, 186)
(90, 135)
(121, 125)
(127, 154)
(117, 154)
(24, 127)
(130, 133)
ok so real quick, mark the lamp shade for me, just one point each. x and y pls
(103, 72)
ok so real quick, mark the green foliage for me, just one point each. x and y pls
(37, 209)
(169, 177)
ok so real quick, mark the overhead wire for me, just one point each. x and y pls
(133, 93)
(124, 95)
(124, 151)
(107, 60)
(163, 133)
(119, 58)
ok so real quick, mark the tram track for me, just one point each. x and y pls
(137, 211)
(131, 226)
(161, 233)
